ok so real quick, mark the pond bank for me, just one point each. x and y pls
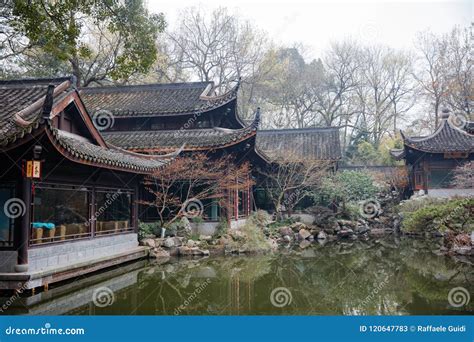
(390, 276)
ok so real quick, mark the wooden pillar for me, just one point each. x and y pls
(236, 200)
(22, 259)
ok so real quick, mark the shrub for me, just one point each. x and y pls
(148, 228)
(347, 186)
(221, 228)
(456, 215)
(260, 218)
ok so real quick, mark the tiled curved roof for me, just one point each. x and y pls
(78, 148)
(155, 99)
(192, 139)
(16, 95)
(447, 138)
(21, 102)
(315, 143)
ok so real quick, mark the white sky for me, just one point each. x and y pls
(316, 23)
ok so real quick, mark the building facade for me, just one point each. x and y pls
(431, 159)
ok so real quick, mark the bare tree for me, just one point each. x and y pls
(290, 178)
(220, 47)
(182, 185)
(384, 90)
(431, 71)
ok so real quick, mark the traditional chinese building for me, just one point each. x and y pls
(68, 198)
(431, 159)
(160, 118)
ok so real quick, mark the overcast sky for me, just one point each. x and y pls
(315, 23)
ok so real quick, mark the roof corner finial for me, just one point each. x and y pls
(256, 120)
(445, 112)
(48, 102)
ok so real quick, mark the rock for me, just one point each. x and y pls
(304, 244)
(346, 223)
(159, 253)
(377, 232)
(205, 237)
(322, 235)
(188, 251)
(223, 240)
(462, 250)
(148, 243)
(286, 231)
(169, 242)
(237, 234)
(345, 233)
(297, 226)
(287, 238)
(329, 231)
(159, 242)
(191, 243)
(273, 244)
(303, 234)
(178, 241)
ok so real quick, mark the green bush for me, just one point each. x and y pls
(348, 186)
(148, 228)
(456, 215)
(221, 228)
(415, 204)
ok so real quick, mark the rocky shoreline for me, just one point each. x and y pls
(300, 235)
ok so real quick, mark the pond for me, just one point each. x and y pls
(387, 277)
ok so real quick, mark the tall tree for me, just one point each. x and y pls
(98, 40)
(219, 47)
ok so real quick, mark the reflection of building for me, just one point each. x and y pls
(431, 159)
(78, 213)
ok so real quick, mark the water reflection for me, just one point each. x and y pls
(383, 278)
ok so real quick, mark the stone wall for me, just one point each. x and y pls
(209, 228)
(8, 261)
(63, 254)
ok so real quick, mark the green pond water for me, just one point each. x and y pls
(389, 277)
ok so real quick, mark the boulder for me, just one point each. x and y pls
(191, 243)
(189, 251)
(169, 242)
(159, 253)
(205, 237)
(159, 242)
(148, 243)
(178, 241)
(287, 238)
(303, 234)
(304, 244)
(462, 250)
(346, 223)
(322, 235)
(345, 233)
(286, 231)
(297, 226)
